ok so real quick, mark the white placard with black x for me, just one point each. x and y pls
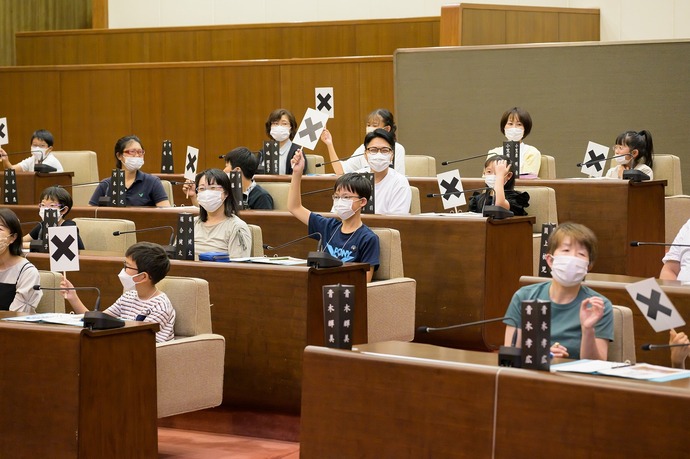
(450, 186)
(324, 101)
(190, 163)
(4, 133)
(310, 129)
(63, 248)
(595, 159)
(655, 305)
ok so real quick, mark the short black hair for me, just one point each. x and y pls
(43, 134)
(276, 115)
(150, 258)
(218, 177)
(510, 184)
(9, 220)
(59, 194)
(381, 134)
(243, 158)
(355, 183)
(522, 115)
(121, 144)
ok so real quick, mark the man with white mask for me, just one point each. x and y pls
(281, 126)
(41, 148)
(392, 194)
(516, 124)
(581, 319)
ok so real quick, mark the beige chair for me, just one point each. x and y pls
(622, 347)
(312, 161)
(667, 167)
(167, 186)
(390, 296)
(547, 169)
(542, 206)
(677, 214)
(189, 368)
(279, 193)
(97, 234)
(84, 164)
(257, 241)
(52, 300)
(415, 204)
(420, 166)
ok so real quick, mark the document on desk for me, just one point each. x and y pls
(641, 371)
(285, 261)
(74, 320)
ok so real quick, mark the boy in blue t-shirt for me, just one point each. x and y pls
(347, 239)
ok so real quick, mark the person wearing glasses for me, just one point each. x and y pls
(53, 197)
(345, 237)
(218, 228)
(145, 265)
(142, 189)
(633, 150)
(281, 126)
(392, 194)
(41, 148)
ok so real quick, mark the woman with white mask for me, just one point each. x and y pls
(218, 227)
(41, 159)
(581, 319)
(281, 126)
(516, 124)
(141, 189)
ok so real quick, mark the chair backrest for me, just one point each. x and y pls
(667, 167)
(415, 204)
(52, 300)
(192, 303)
(677, 214)
(257, 249)
(622, 347)
(84, 164)
(279, 193)
(82, 194)
(312, 161)
(97, 234)
(547, 169)
(542, 205)
(167, 186)
(420, 166)
(390, 258)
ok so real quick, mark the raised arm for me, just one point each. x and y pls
(591, 347)
(333, 156)
(72, 297)
(295, 193)
(502, 170)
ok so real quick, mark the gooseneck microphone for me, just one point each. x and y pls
(452, 193)
(651, 347)
(316, 191)
(317, 259)
(169, 249)
(95, 320)
(592, 162)
(664, 244)
(338, 160)
(445, 163)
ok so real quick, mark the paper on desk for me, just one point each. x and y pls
(50, 318)
(641, 371)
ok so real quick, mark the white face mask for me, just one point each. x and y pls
(379, 162)
(133, 163)
(42, 212)
(344, 208)
(514, 134)
(568, 270)
(370, 129)
(490, 180)
(622, 160)
(210, 200)
(127, 281)
(38, 153)
(280, 133)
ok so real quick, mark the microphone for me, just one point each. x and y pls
(95, 320)
(19, 153)
(80, 184)
(439, 195)
(173, 182)
(664, 244)
(594, 161)
(317, 259)
(169, 249)
(651, 347)
(338, 160)
(508, 356)
(35, 245)
(445, 163)
(316, 191)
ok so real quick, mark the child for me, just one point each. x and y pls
(347, 239)
(41, 148)
(281, 126)
(677, 260)
(17, 275)
(581, 319)
(145, 265)
(391, 188)
(638, 149)
(497, 171)
(242, 160)
(516, 124)
(53, 197)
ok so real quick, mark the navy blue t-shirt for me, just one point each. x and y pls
(147, 190)
(36, 233)
(362, 246)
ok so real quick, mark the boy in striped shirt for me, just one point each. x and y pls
(145, 265)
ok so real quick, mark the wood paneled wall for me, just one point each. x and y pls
(227, 42)
(475, 24)
(25, 15)
(212, 106)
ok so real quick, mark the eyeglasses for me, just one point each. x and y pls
(384, 150)
(50, 206)
(130, 267)
(134, 153)
(335, 197)
(40, 146)
(210, 187)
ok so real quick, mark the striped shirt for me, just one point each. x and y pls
(158, 309)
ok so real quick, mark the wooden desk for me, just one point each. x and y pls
(31, 184)
(267, 314)
(613, 288)
(413, 400)
(69, 392)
